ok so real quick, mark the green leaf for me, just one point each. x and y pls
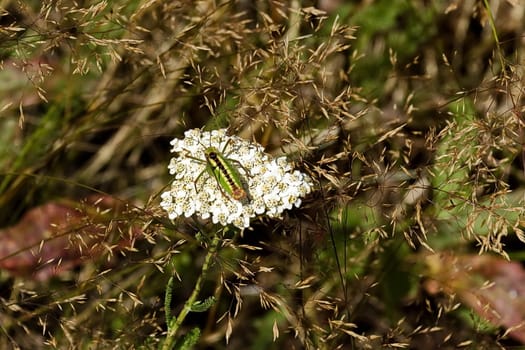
(203, 305)
(189, 340)
(167, 300)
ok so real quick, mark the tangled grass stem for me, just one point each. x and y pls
(173, 327)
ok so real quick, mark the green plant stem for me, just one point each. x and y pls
(294, 23)
(173, 328)
(495, 35)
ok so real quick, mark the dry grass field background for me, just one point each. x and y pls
(407, 116)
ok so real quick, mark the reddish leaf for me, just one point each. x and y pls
(493, 287)
(57, 236)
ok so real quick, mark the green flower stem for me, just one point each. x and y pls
(173, 328)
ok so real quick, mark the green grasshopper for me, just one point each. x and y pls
(230, 181)
(227, 176)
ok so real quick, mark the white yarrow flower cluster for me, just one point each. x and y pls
(271, 184)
